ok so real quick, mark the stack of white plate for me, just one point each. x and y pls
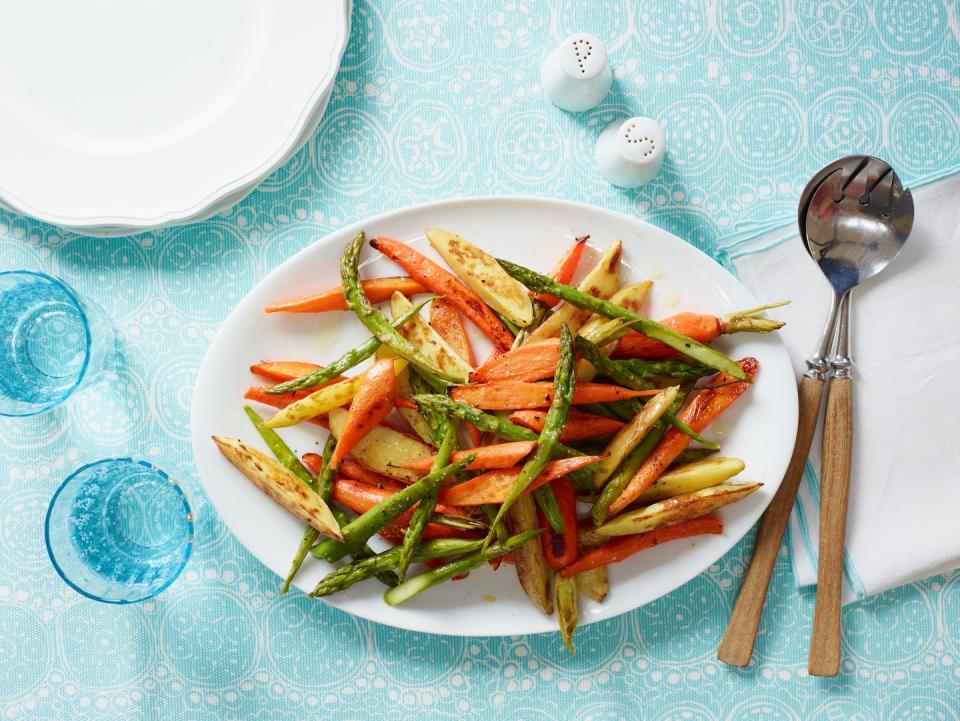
(118, 117)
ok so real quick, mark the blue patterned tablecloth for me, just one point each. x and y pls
(439, 99)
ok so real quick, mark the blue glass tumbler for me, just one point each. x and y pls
(119, 530)
(51, 342)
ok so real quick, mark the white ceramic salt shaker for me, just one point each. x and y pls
(630, 152)
(576, 75)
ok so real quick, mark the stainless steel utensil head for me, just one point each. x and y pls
(858, 218)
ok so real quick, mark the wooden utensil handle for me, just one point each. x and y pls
(824, 657)
(736, 647)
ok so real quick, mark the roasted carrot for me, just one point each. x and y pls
(493, 486)
(406, 403)
(707, 405)
(530, 362)
(371, 403)
(625, 546)
(349, 468)
(285, 370)
(448, 323)
(446, 284)
(564, 271)
(282, 400)
(702, 328)
(314, 462)
(501, 455)
(579, 425)
(560, 549)
(516, 395)
(378, 290)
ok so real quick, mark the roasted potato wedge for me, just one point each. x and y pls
(627, 438)
(429, 342)
(594, 583)
(483, 274)
(602, 281)
(281, 485)
(676, 509)
(631, 297)
(383, 449)
(321, 401)
(412, 417)
(692, 477)
(532, 569)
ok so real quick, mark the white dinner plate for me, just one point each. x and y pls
(138, 115)
(759, 428)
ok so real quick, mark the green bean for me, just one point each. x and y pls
(490, 423)
(511, 326)
(389, 509)
(373, 319)
(280, 449)
(564, 383)
(412, 586)
(345, 576)
(421, 515)
(687, 430)
(547, 502)
(679, 342)
(348, 360)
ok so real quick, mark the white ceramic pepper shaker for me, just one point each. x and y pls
(630, 152)
(576, 75)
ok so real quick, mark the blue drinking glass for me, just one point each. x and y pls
(51, 342)
(119, 530)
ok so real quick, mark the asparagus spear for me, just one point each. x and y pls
(568, 611)
(345, 576)
(674, 369)
(348, 360)
(490, 423)
(421, 516)
(617, 373)
(686, 346)
(389, 509)
(412, 586)
(564, 383)
(372, 318)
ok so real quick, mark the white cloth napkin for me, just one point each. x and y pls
(904, 510)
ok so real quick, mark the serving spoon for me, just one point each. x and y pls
(854, 217)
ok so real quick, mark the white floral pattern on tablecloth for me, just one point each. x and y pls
(440, 99)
